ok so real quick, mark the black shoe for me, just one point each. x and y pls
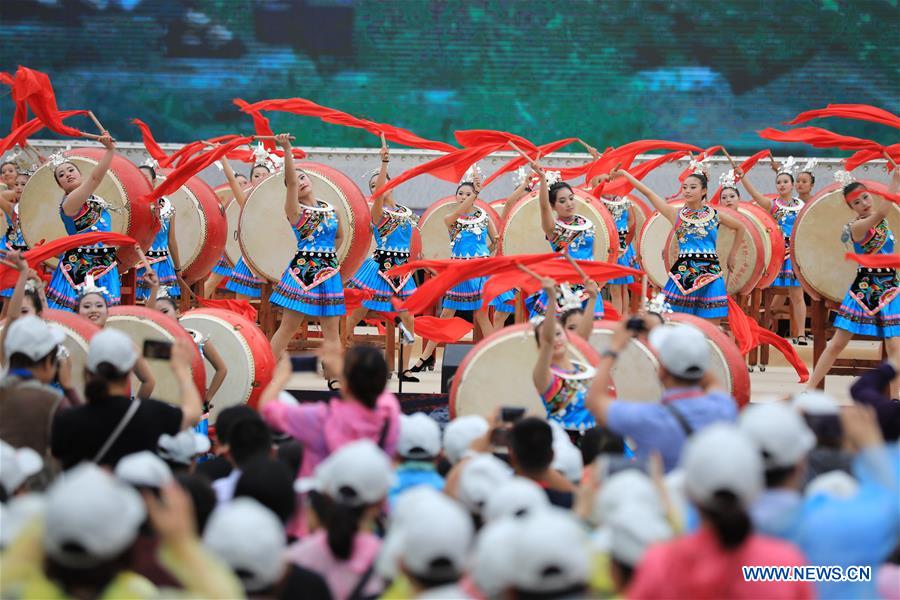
(407, 378)
(333, 385)
(423, 365)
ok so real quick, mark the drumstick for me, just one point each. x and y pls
(731, 160)
(144, 260)
(585, 144)
(529, 272)
(383, 141)
(577, 267)
(96, 121)
(888, 156)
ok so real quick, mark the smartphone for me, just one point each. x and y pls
(304, 364)
(511, 414)
(157, 349)
(500, 438)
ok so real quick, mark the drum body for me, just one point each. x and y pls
(79, 332)
(434, 234)
(124, 187)
(243, 347)
(522, 234)
(200, 227)
(512, 352)
(141, 324)
(636, 372)
(267, 240)
(772, 240)
(232, 243)
(816, 249)
(727, 363)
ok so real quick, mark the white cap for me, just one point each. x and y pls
(779, 431)
(435, 543)
(460, 433)
(682, 350)
(837, 484)
(515, 498)
(17, 465)
(491, 565)
(625, 488)
(113, 347)
(411, 505)
(250, 539)
(183, 446)
(567, 460)
(814, 402)
(17, 514)
(549, 552)
(420, 437)
(357, 474)
(721, 457)
(32, 337)
(89, 508)
(481, 475)
(634, 529)
(144, 469)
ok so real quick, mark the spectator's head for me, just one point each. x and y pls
(480, 476)
(784, 440)
(531, 446)
(250, 539)
(492, 566)
(823, 416)
(420, 438)
(32, 345)
(365, 374)
(836, 484)
(144, 470)
(631, 487)
(290, 452)
(633, 530)
(16, 466)
(516, 498)
(17, 514)
(92, 520)
(149, 172)
(226, 420)
(460, 433)
(567, 458)
(202, 495)
(723, 474)
(111, 357)
(271, 483)
(348, 486)
(180, 450)
(249, 438)
(683, 353)
(599, 441)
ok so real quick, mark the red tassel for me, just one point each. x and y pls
(520, 161)
(34, 89)
(748, 335)
(179, 176)
(150, 144)
(622, 187)
(745, 167)
(21, 134)
(862, 112)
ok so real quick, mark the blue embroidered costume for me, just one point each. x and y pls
(311, 283)
(786, 215)
(468, 239)
(12, 241)
(242, 281)
(695, 284)
(158, 256)
(564, 398)
(620, 209)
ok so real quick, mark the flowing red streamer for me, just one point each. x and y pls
(745, 167)
(861, 157)
(862, 112)
(260, 123)
(241, 307)
(353, 298)
(34, 89)
(748, 335)
(21, 134)
(150, 143)
(819, 138)
(442, 331)
(875, 261)
(20, 116)
(470, 138)
(622, 187)
(179, 176)
(515, 163)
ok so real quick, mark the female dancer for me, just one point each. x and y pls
(872, 304)
(224, 267)
(472, 235)
(695, 284)
(785, 209)
(392, 226)
(622, 213)
(561, 382)
(504, 304)
(311, 285)
(567, 232)
(8, 171)
(163, 253)
(12, 241)
(806, 179)
(242, 281)
(81, 212)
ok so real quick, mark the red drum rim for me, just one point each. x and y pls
(775, 237)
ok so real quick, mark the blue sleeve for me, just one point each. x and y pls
(633, 419)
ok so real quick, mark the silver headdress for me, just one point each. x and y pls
(699, 167)
(520, 176)
(553, 177)
(728, 180)
(164, 292)
(658, 305)
(788, 167)
(263, 158)
(151, 163)
(470, 175)
(23, 162)
(567, 299)
(810, 165)
(844, 177)
(90, 287)
(58, 158)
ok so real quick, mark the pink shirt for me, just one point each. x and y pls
(696, 566)
(313, 553)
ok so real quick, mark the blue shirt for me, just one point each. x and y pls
(652, 426)
(411, 474)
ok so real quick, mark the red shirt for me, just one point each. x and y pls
(696, 566)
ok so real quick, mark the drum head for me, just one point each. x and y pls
(190, 223)
(641, 212)
(141, 324)
(649, 247)
(522, 233)
(512, 351)
(816, 249)
(772, 240)
(245, 350)
(232, 244)
(122, 187)
(267, 240)
(728, 364)
(435, 238)
(636, 372)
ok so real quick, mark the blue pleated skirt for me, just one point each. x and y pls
(223, 267)
(244, 282)
(165, 271)
(466, 295)
(505, 302)
(786, 277)
(369, 278)
(707, 302)
(627, 259)
(62, 296)
(325, 299)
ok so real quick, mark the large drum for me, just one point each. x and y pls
(124, 187)
(200, 227)
(642, 212)
(478, 387)
(141, 324)
(435, 238)
(658, 250)
(772, 240)
(522, 233)
(232, 217)
(243, 347)
(728, 365)
(636, 372)
(816, 249)
(267, 240)
(79, 332)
